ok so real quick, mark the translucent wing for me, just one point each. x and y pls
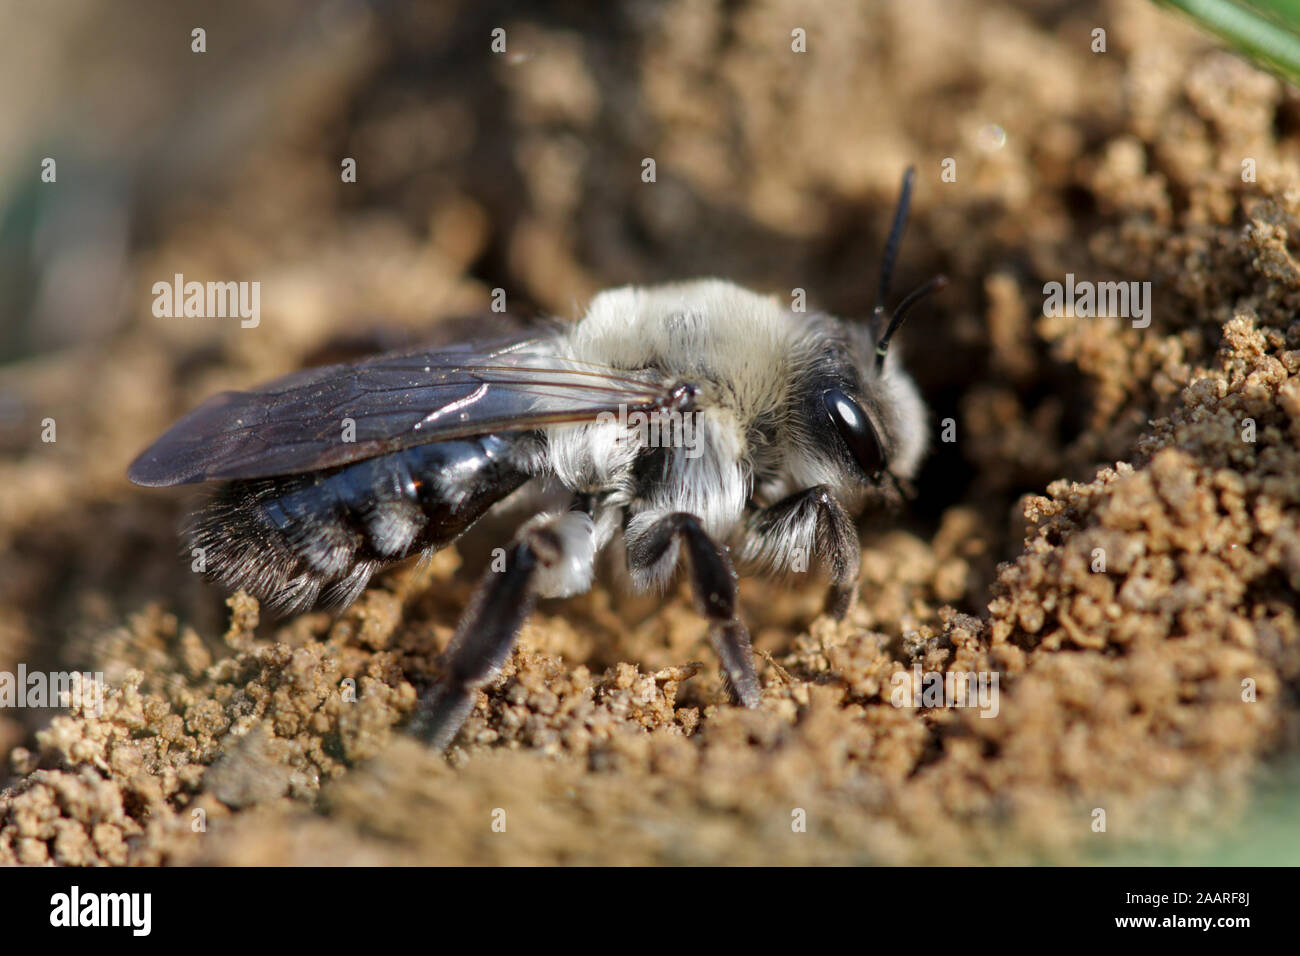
(301, 422)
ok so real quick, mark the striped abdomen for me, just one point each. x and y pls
(295, 540)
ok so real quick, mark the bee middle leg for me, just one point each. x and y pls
(552, 556)
(713, 581)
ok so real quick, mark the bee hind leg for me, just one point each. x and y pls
(552, 556)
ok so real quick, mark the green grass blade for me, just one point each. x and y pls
(1266, 31)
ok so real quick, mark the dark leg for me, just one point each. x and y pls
(814, 520)
(487, 633)
(713, 581)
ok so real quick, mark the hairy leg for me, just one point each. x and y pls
(713, 581)
(813, 521)
(552, 556)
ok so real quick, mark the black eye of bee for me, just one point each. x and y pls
(857, 431)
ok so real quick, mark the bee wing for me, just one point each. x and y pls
(324, 417)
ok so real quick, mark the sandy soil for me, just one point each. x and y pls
(231, 740)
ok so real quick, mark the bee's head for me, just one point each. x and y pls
(864, 422)
(861, 411)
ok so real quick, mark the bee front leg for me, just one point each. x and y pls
(805, 523)
(552, 556)
(713, 582)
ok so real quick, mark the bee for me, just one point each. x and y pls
(694, 420)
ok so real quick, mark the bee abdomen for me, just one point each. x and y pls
(298, 540)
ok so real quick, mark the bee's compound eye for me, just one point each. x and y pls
(857, 431)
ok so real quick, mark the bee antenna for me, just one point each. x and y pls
(896, 321)
(895, 234)
(904, 489)
(891, 247)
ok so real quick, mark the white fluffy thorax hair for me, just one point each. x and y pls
(759, 430)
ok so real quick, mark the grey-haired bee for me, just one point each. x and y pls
(694, 418)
